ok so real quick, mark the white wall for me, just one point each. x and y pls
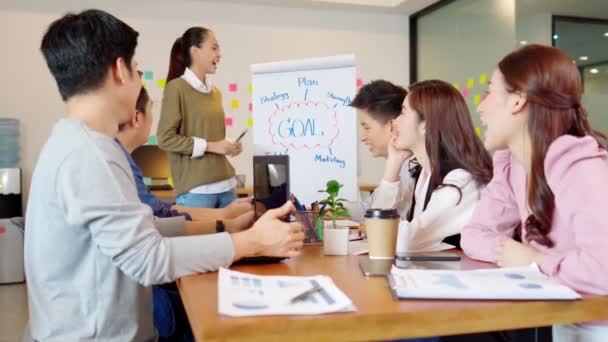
(463, 41)
(247, 34)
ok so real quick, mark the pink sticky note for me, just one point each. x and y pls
(465, 92)
(359, 82)
(233, 87)
(483, 96)
(228, 122)
(2, 230)
(250, 107)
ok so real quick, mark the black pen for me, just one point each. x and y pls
(305, 294)
(241, 136)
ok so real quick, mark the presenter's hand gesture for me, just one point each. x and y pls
(227, 147)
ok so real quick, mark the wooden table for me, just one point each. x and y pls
(378, 316)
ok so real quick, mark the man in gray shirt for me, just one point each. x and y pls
(92, 247)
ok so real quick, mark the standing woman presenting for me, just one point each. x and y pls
(191, 127)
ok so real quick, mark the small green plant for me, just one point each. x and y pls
(332, 205)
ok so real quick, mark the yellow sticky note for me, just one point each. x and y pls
(250, 122)
(471, 82)
(477, 99)
(483, 79)
(144, 85)
(250, 89)
(456, 85)
(235, 104)
(162, 83)
(478, 131)
(170, 181)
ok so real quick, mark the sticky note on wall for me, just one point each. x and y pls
(233, 87)
(477, 99)
(152, 140)
(456, 85)
(250, 107)
(148, 75)
(235, 104)
(228, 122)
(478, 131)
(162, 83)
(471, 82)
(359, 82)
(250, 89)
(483, 78)
(465, 92)
(250, 122)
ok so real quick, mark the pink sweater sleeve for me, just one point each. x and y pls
(496, 216)
(577, 172)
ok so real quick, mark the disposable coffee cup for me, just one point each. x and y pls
(381, 227)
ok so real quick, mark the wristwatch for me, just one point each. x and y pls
(219, 226)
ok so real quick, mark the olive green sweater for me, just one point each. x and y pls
(187, 113)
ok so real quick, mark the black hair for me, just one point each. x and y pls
(180, 51)
(382, 99)
(142, 101)
(80, 49)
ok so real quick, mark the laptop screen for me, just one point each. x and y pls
(270, 182)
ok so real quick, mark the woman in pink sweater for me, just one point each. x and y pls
(550, 183)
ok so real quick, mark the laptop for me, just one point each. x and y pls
(270, 191)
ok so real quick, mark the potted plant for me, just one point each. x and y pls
(335, 239)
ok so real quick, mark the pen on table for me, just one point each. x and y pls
(314, 206)
(297, 203)
(305, 294)
(322, 207)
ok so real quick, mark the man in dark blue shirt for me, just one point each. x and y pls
(169, 316)
(134, 134)
(159, 207)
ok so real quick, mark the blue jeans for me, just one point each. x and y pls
(170, 318)
(220, 200)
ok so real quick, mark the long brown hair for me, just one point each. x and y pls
(180, 51)
(553, 88)
(450, 138)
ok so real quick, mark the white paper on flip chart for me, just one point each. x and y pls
(244, 294)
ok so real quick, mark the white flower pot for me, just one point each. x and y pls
(335, 241)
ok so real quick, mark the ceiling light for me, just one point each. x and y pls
(605, 34)
(555, 36)
(594, 71)
(523, 42)
(583, 58)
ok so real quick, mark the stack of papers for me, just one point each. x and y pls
(243, 294)
(516, 283)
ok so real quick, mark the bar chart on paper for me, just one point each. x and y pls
(301, 109)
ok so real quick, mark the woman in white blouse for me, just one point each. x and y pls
(450, 166)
